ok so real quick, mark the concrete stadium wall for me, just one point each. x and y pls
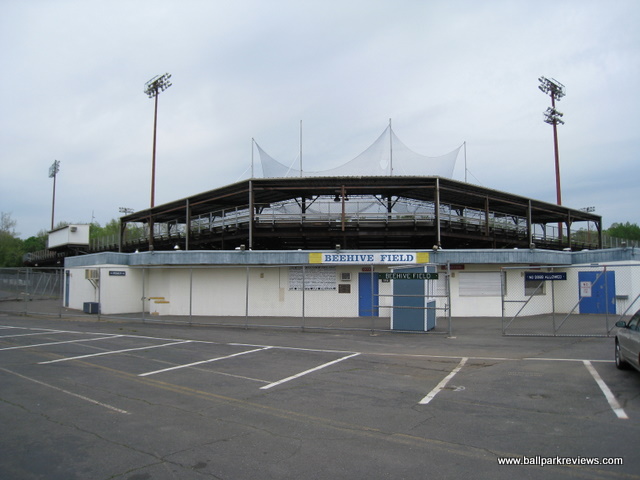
(202, 288)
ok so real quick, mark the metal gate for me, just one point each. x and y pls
(568, 300)
(31, 290)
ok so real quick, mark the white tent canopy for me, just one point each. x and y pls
(386, 156)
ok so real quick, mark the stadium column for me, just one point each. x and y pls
(123, 226)
(187, 225)
(151, 227)
(437, 204)
(529, 227)
(487, 229)
(251, 214)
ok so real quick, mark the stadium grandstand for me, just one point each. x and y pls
(388, 197)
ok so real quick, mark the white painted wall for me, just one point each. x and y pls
(221, 291)
(80, 289)
(116, 294)
(69, 235)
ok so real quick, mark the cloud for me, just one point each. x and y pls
(445, 72)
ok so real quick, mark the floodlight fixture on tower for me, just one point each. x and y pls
(551, 86)
(153, 88)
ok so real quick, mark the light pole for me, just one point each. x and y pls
(153, 88)
(556, 91)
(53, 172)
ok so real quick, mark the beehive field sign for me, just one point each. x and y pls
(375, 258)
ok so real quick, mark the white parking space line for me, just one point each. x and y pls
(613, 403)
(297, 349)
(111, 352)
(53, 332)
(81, 397)
(49, 330)
(60, 343)
(201, 362)
(582, 360)
(298, 375)
(430, 396)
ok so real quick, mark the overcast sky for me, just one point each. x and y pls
(445, 72)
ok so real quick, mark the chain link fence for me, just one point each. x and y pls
(31, 290)
(303, 297)
(568, 301)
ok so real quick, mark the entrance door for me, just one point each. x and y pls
(601, 297)
(367, 294)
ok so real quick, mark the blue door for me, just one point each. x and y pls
(603, 292)
(367, 294)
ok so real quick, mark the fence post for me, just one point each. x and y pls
(448, 290)
(503, 282)
(144, 274)
(27, 285)
(373, 305)
(304, 290)
(246, 301)
(99, 293)
(61, 278)
(553, 307)
(606, 296)
(190, 296)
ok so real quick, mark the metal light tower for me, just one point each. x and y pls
(53, 172)
(153, 88)
(556, 91)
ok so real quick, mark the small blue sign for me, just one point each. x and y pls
(117, 273)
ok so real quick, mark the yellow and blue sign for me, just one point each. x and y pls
(369, 258)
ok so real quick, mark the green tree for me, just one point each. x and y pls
(37, 243)
(584, 236)
(111, 230)
(628, 231)
(11, 247)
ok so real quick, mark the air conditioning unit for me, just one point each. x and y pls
(345, 277)
(92, 274)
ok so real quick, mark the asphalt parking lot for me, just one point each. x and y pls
(87, 399)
